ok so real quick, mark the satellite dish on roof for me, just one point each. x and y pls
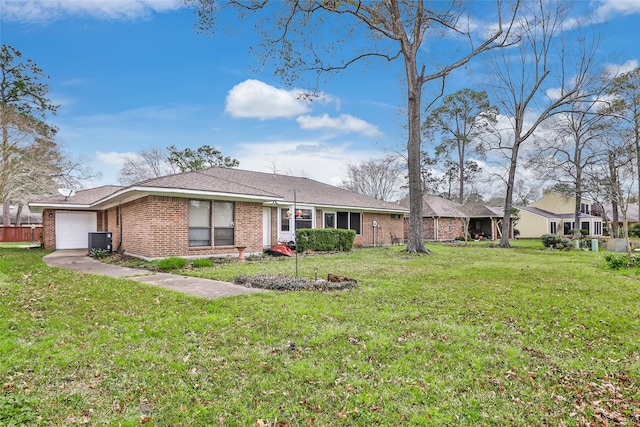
(66, 192)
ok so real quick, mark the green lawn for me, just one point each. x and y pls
(464, 337)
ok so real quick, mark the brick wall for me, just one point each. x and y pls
(443, 230)
(49, 228)
(382, 234)
(158, 227)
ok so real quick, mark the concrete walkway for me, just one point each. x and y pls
(78, 260)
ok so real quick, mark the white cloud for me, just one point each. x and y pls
(615, 70)
(256, 99)
(313, 159)
(50, 10)
(343, 123)
(607, 8)
(114, 158)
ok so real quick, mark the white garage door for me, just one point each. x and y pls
(73, 228)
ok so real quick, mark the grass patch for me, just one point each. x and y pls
(470, 335)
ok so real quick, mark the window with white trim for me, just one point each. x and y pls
(199, 223)
(224, 224)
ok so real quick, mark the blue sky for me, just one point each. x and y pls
(133, 74)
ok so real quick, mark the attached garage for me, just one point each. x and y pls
(73, 228)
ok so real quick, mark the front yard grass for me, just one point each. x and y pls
(470, 335)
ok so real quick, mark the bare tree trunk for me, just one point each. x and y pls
(613, 191)
(6, 215)
(19, 214)
(416, 233)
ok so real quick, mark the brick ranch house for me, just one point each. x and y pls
(211, 213)
(444, 219)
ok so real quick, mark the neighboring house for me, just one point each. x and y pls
(555, 214)
(632, 215)
(444, 219)
(26, 216)
(486, 221)
(212, 212)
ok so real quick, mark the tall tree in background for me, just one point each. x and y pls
(145, 165)
(380, 179)
(203, 157)
(573, 146)
(626, 107)
(158, 162)
(324, 36)
(459, 124)
(24, 107)
(540, 77)
(31, 161)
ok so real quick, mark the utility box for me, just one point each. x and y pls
(617, 245)
(100, 241)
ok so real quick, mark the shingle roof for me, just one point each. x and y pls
(81, 197)
(435, 206)
(551, 215)
(238, 183)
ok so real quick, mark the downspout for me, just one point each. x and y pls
(120, 222)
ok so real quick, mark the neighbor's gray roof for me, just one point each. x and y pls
(551, 215)
(436, 206)
(632, 212)
(26, 216)
(483, 211)
(231, 183)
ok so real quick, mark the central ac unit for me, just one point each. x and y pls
(100, 241)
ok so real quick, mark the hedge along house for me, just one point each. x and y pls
(211, 213)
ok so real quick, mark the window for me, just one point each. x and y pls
(355, 222)
(597, 228)
(585, 226)
(450, 225)
(554, 227)
(584, 208)
(329, 220)
(350, 221)
(285, 215)
(395, 216)
(567, 227)
(199, 223)
(304, 218)
(223, 222)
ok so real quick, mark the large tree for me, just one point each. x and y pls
(430, 39)
(626, 108)
(31, 161)
(456, 129)
(572, 147)
(24, 107)
(543, 75)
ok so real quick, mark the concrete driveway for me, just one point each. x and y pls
(78, 260)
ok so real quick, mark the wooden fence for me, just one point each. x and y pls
(20, 234)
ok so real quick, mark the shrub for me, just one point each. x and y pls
(325, 239)
(171, 263)
(202, 262)
(616, 261)
(634, 230)
(98, 253)
(553, 241)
